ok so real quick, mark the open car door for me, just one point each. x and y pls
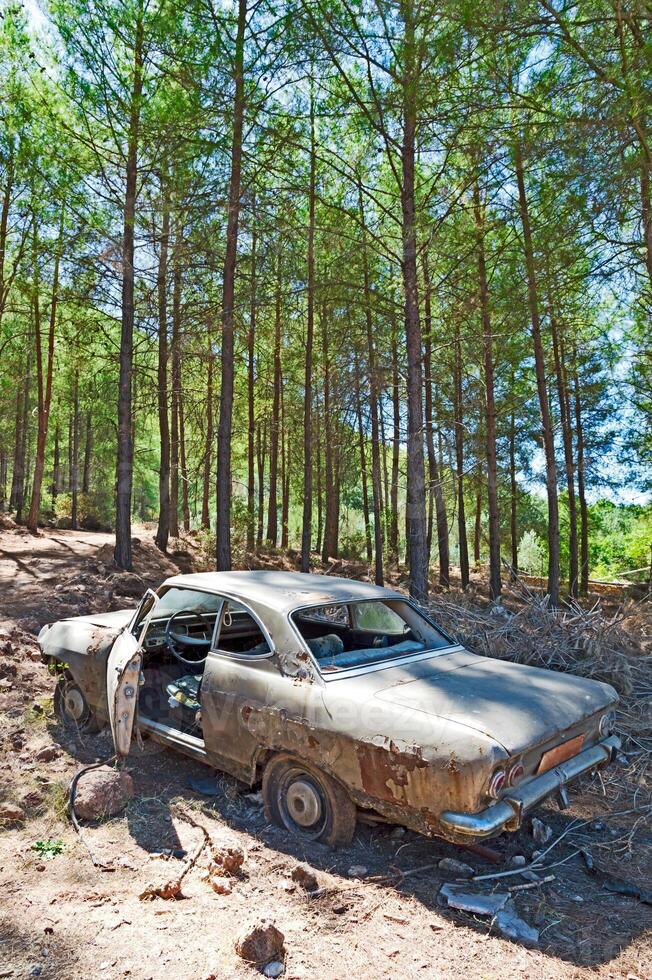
(123, 674)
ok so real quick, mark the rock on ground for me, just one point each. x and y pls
(261, 943)
(102, 793)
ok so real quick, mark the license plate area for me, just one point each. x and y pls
(560, 753)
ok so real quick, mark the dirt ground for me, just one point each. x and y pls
(62, 917)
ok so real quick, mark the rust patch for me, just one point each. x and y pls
(383, 770)
(246, 712)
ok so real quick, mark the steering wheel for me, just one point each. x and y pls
(175, 641)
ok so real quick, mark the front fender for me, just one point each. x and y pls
(84, 648)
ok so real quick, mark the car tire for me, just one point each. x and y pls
(303, 799)
(71, 708)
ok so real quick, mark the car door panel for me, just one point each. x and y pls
(122, 678)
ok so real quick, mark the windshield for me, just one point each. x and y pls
(355, 634)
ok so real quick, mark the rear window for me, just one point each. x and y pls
(373, 631)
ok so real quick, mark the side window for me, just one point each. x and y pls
(239, 632)
(377, 617)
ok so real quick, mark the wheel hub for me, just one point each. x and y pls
(74, 703)
(303, 803)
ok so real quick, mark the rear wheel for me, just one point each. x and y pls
(308, 802)
(72, 709)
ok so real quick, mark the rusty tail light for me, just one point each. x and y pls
(497, 783)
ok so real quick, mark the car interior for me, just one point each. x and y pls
(357, 634)
(184, 626)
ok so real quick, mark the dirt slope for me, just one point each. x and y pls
(62, 917)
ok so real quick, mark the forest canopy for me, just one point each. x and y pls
(369, 280)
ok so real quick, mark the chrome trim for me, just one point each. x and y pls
(172, 736)
(508, 814)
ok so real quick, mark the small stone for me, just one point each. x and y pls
(541, 831)
(274, 969)
(536, 855)
(357, 871)
(221, 886)
(261, 943)
(227, 860)
(397, 833)
(530, 876)
(40, 867)
(518, 861)
(12, 813)
(47, 754)
(304, 876)
(36, 971)
(454, 867)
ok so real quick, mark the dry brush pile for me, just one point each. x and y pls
(614, 648)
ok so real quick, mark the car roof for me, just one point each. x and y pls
(283, 591)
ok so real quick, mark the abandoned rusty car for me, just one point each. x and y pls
(339, 695)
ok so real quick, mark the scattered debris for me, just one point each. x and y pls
(306, 878)
(47, 754)
(512, 926)
(541, 831)
(518, 861)
(226, 860)
(103, 793)
(261, 944)
(274, 969)
(454, 867)
(477, 902)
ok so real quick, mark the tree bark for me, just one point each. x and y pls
(272, 512)
(394, 540)
(261, 449)
(74, 457)
(251, 380)
(163, 531)
(176, 390)
(125, 460)
(495, 584)
(88, 448)
(208, 444)
(581, 485)
(513, 510)
(459, 461)
(376, 492)
(363, 464)
(43, 371)
(416, 486)
(567, 439)
(329, 475)
(306, 531)
(185, 507)
(223, 519)
(540, 368)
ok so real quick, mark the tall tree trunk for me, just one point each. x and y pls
(320, 496)
(376, 492)
(208, 445)
(459, 460)
(88, 448)
(74, 459)
(540, 368)
(4, 224)
(495, 585)
(251, 387)
(17, 496)
(56, 468)
(272, 512)
(567, 439)
(223, 520)
(416, 484)
(285, 479)
(261, 449)
(513, 510)
(306, 531)
(163, 531)
(327, 549)
(394, 542)
(477, 532)
(176, 390)
(581, 485)
(125, 460)
(4, 467)
(185, 508)
(43, 371)
(363, 463)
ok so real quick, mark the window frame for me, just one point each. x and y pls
(250, 657)
(333, 675)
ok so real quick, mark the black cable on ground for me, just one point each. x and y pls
(72, 793)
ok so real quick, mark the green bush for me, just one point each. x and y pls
(94, 510)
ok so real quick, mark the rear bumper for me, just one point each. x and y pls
(508, 813)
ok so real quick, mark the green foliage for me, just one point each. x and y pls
(532, 555)
(49, 848)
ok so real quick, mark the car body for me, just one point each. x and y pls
(341, 694)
